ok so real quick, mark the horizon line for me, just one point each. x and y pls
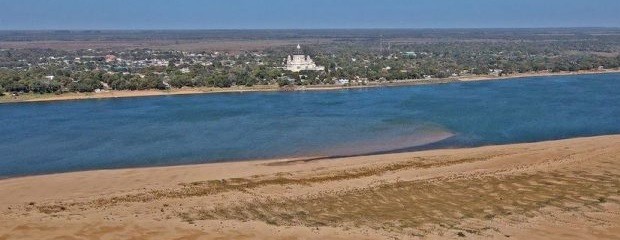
(297, 29)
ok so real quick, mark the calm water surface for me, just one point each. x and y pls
(54, 137)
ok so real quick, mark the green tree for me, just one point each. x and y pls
(181, 80)
(283, 81)
(244, 77)
(86, 85)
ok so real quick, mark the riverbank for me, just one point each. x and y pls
(270, 88)
(566, 189)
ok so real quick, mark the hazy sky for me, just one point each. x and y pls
(260, 14)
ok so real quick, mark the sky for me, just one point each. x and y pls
(304, 14)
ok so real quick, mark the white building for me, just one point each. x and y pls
(300, 62)
(495, 72)
(342, 81)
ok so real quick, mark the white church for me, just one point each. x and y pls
(300, 62)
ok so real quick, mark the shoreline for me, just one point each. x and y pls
(284, 161)
(515, 190)
(271, 88)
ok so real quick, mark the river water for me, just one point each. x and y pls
(37, 138)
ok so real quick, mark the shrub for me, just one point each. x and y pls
(87, 85)
(179, 81)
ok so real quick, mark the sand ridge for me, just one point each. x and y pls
(566, 189)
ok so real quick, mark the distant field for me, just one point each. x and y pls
(259, 39)
(183, 45)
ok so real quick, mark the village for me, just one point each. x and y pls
(336, 64)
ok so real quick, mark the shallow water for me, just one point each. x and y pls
(54, 137)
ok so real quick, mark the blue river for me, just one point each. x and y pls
(53, 137)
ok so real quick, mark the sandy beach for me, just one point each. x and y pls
(566, 189)
(29, 97)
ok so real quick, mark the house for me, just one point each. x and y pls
(110, 58)
(495, 72)
(342, 81)
(410, 54)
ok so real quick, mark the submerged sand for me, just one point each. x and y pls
(567, 189)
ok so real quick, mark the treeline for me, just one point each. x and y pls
(31, 70)
(439, 60)
(38, 81)
(35, 80)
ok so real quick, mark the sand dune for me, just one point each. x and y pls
(568, 189)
